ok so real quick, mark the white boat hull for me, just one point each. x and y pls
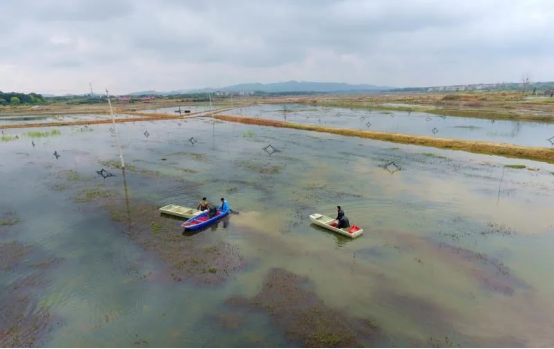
(324, 222)
(180, 211)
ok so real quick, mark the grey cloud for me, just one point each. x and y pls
(142, 45)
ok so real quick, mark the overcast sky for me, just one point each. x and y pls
(59, 46)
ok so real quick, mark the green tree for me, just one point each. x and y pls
(3, 101)
(14, 101)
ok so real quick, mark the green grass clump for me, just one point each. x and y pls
(249, 134)
(156, 228)
(39, 134)
(211, 249)
(89, 195)
(519, 167)
(8, 138)
(72, 176)
(212, 270)
(9, 221)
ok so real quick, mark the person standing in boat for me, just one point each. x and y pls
(203, 205)
(224, 205)
(342, 220)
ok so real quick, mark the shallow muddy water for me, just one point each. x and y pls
(413, 123)
(31, 119)
(456, 247)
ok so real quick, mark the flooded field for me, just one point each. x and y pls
(31, 119)
(456, 248)
(413, 123)
(183, 109)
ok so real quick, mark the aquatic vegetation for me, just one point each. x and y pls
(192, 258)
(497, 229)
(42, 134)
(519, 167)
(249, 134)
(9, 218)
(24, 322)
(433, 342)
(432, 155)
(59, 187)
(293, 306)
(156, 228)
(70, 175)
(194, 156)
(260, 168)
(128, 167)
(471, 127)
(7, 138)
(84, 129)
(188, 170)
(89, 195)
(117, 164)
(12, 254)
(19, 326)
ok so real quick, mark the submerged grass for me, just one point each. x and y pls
(41, 134)
(9, 218)
(468, 127)
(260, 168)
(92, 194)
(7, 138)
(194, 156)
(432, 155)
(294, 307)
(519, 167)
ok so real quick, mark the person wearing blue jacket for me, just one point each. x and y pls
(224, 205)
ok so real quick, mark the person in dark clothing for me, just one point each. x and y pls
(212, 211)
(342, 220)
(203, 205)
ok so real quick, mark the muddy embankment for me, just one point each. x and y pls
(479, 147)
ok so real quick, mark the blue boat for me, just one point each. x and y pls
(203, 220)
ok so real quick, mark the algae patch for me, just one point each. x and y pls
(88, 195)
(260, 168)
(9, 218)
(293, 306)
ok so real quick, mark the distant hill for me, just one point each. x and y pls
(288, 86)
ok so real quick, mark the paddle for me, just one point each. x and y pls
(234, 212)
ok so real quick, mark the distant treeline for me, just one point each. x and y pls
(14, 98)
(76, 100)
(531, 87)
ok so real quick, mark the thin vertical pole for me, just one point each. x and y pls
(211, 106)
(115, 130)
